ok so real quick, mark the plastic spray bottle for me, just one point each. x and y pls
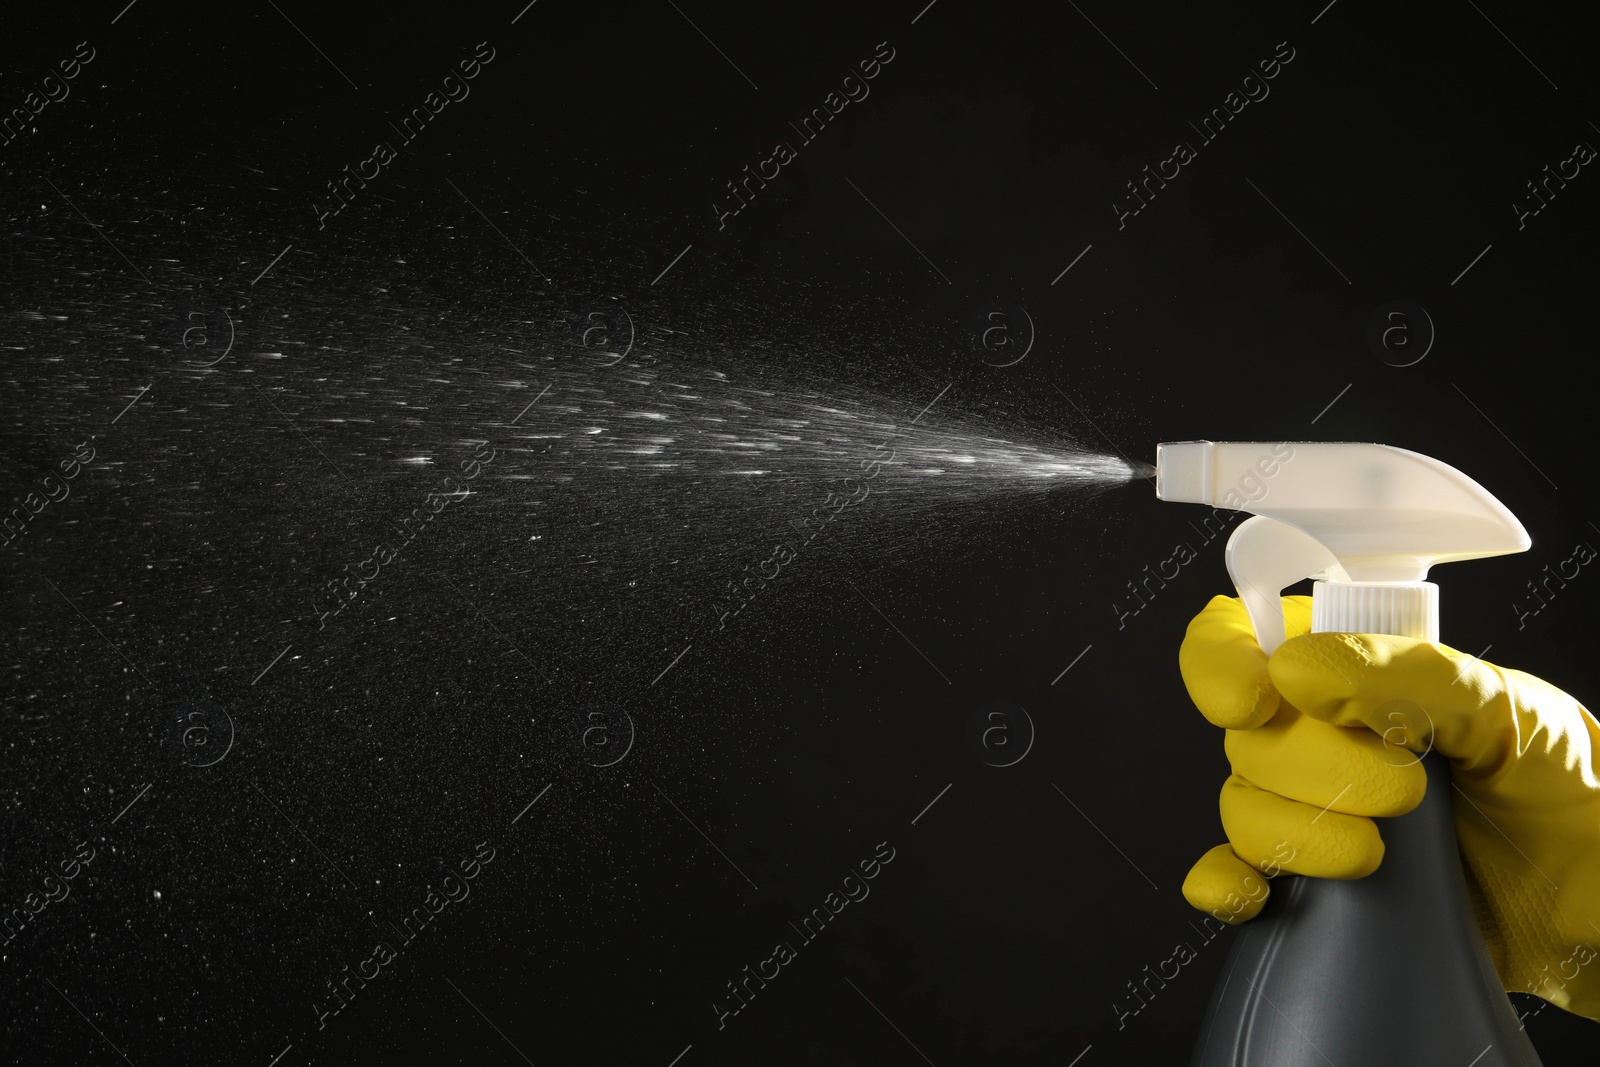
(1388, 970)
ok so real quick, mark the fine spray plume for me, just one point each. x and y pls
(674, 478)
(1391, 968)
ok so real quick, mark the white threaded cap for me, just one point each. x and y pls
(1402, 609)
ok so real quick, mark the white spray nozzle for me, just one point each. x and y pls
(1387, 514)
(1369, 519)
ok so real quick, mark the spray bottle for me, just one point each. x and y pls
(1387, 970)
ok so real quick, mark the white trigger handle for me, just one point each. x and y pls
(1265, 557)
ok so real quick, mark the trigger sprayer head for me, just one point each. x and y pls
(1385, 513)
(1368, 520)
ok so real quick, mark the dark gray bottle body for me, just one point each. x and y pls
(1383, 971)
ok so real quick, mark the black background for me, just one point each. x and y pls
(377, 754)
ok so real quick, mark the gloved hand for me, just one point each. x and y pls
(1321, 740)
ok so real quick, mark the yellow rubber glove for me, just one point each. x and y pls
(1321, 740)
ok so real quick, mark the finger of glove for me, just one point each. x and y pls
(1412, 693)
(1350, 771)
(1275, 833)
(1223, 665)
(1225, 886)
